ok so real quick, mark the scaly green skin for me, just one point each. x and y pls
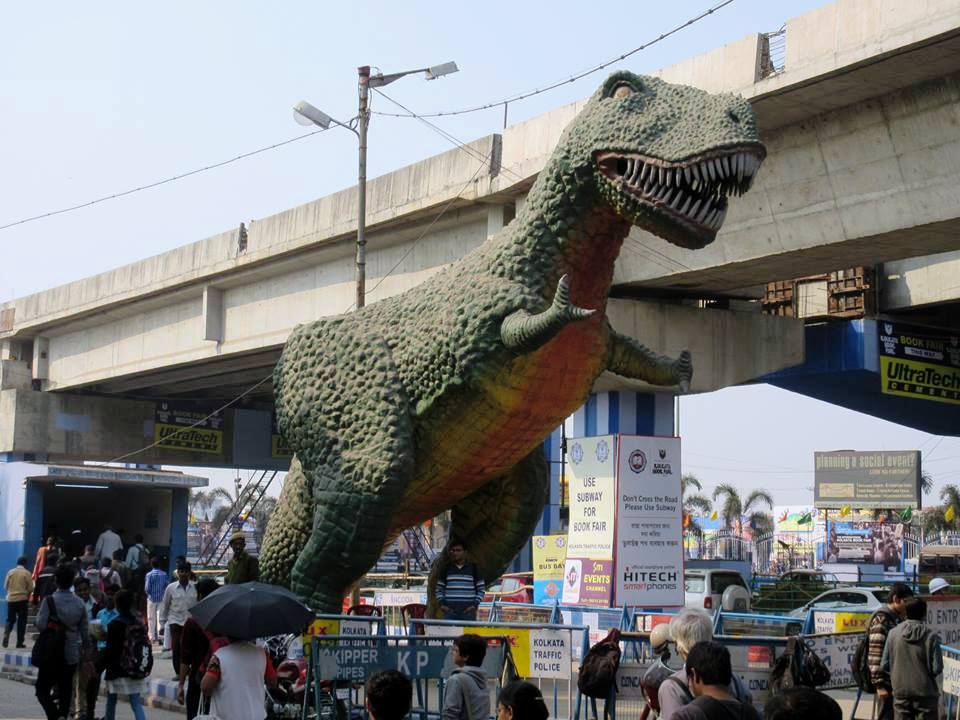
(441, 397)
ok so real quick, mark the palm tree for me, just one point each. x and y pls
(926, 482)
(950, 495)
(201, 502)
(261, 515)
(735, 510)
(694, 504)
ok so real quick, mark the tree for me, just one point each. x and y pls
(201, 502)
(261, 515)
(735, 510)
(926, 482)
(693, 503)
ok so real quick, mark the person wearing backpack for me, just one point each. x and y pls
(878, 629)
(913, 660)
(709, 677)
(687, 629)
(465, 695)
(62, 622)
(127, 658)
(459, 588)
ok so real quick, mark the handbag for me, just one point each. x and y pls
(204, 709)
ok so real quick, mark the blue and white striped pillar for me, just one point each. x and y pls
(606, 413)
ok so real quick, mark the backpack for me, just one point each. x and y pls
(652, 679)
(49, 646)
(798, 667)
(860, 666)
(598, 671)
(136, 657)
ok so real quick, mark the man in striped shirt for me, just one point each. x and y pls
(154, 586)
(460, 588)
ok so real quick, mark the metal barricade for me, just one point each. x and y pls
(339, 665)
(543, 653)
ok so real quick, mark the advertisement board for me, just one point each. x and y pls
(549, 556)
(591, 473)
(649, 528)
(883, 479)
(867, 542)
(187, 429)
(919, 362)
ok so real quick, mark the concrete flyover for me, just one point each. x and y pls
(864, 157)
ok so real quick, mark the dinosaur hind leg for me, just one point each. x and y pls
(495, 521)
(288, 529)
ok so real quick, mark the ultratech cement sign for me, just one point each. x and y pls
(191, 430)
(883, 480)
(919, 363)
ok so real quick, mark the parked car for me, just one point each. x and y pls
(793, 589)
(703, 587)
(851, 599)
(512, 587)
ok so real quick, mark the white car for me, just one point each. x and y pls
(703, 587)
(852, 599)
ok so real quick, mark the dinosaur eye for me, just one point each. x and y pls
(623, 90)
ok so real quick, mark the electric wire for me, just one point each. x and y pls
(158, 183)
(260, 382)
(577, 76)
(506, 101)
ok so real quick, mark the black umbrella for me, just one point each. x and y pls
(252, 610)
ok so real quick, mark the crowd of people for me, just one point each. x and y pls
(106, 609)
(108, 616)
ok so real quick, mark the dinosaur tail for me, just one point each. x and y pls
(288, 529)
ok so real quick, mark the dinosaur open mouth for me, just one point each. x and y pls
(692, 192)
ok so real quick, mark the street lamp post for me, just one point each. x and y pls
(306, 114)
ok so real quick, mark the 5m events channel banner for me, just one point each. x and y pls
(919, 362)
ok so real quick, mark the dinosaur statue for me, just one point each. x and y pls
(440, 397)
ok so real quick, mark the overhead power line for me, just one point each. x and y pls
(576, 76)
(499, 103)
(158, 183)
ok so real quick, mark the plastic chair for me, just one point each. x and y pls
(365, 610)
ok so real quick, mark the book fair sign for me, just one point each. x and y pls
(624, 542)
(919, 362)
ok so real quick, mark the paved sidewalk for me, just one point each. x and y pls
(16, 666)
(17, 702)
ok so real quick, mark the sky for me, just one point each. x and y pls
(102, 98)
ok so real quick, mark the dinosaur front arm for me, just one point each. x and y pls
(629, 358)
(523, 332)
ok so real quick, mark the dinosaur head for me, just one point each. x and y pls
(666, 157)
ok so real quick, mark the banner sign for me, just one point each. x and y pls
(587, 582)
(951, 675)
(649, 528)
(919, 362)
(279, 448)
(837, 651)
(170, 430)
(549, 556)
(884, 480)
(357, 663)
(333, 626)
(865, 542)
(537, 653)
(399, 598)
(943, 616)
(588, 568)
(828, 621)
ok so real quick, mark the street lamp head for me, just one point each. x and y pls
(306, 114)
(440, 70)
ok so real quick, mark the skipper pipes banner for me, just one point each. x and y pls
(626, 522)
(549, 555)
(919, 363)
(884, 479)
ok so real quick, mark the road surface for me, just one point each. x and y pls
(18, 702)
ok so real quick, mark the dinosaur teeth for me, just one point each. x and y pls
(629, 171)
(645, 172)
(662, 176)
(675, 203)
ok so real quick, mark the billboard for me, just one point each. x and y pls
(884, 479)
(549, 555)
(649, 536)
(591, 474)
(862, 540)
(919, 362)
(624, 539)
